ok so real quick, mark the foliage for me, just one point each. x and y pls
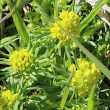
(56, 56)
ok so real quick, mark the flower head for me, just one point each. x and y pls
(21, 60)
(7, 99)
(85, 77)
(69, 21)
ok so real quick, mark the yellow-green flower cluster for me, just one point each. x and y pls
(21, 60)
(69, 21)
(85, 77)
(7, 99)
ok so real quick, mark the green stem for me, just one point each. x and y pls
(66, 91)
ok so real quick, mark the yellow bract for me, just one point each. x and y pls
(70, 22)
(85, 77)
(21, 60)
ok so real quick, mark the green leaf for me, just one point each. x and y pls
(8, 42)
(48, 75)
(62, 70)
(4, 54)
(17, 7)
(9, 48)
(43, 30)
(33, 77)
(44, 15)
(36, 23)
(56, 9)
(15, 46)
(93, 13)
(66, 91)
(4, 63)
(92, 43)
(91, 99)
(5, 69)
(78, 7)
(4, 40)
(19, 25)
(2, 78)
(16, 105)
(68, 53)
